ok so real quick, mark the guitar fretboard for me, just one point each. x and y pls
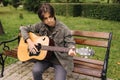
(53, 48)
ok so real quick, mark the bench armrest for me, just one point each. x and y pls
(5, 47)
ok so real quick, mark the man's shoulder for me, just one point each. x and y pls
(61, 24)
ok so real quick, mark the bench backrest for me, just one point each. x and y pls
(100, 35)
(94, 39)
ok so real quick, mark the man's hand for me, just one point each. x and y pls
(31, 46)
(72, 52)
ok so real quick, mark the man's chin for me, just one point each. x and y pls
(51, 25)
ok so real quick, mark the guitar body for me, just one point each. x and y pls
(23, 52)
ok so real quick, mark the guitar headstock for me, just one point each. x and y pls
(85, 51)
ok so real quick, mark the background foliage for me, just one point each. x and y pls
(11, 22)
(99, 9)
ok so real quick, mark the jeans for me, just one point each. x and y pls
(40, 66)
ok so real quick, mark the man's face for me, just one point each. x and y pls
(49, 20)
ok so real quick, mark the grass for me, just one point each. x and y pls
(11, 22)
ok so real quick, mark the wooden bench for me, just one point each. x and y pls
(95, 66)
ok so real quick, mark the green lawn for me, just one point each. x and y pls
(11, 22)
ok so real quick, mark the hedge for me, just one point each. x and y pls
(91, 10)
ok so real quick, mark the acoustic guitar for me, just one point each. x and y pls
(43, 46)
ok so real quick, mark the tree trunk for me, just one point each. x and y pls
(108, 1)
(1, 29)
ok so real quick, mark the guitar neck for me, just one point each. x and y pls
(53, 48)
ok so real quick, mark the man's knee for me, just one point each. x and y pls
(37, 70)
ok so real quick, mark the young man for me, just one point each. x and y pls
(62, 62)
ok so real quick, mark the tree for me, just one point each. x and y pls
(1, 1)
(32, 5)
(1, 28)
(15, 3)
(108, 1)
(5, 2)
(116, 1)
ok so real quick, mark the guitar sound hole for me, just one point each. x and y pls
(43, 39)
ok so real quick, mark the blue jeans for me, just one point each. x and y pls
(40, 66)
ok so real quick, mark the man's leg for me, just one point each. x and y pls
(60, 72)
(39, 68)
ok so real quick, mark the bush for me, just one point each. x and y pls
(31, 5)
(102, 11)
(15, 3)
(5, 2)
(91, 10)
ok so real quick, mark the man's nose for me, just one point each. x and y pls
(49, 19)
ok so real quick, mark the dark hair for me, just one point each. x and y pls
(45, 8)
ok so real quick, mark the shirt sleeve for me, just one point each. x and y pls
(26, 29)
(69, 41)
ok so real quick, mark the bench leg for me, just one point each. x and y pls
(103, 78)
(2, 64)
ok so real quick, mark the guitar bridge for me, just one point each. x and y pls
(32, 54)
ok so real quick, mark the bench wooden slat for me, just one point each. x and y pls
(88, 60)
(91, 42)
(87, 71)
(11, 53)
(95, 66)
(103, 35)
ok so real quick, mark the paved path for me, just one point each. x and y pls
(22, 71)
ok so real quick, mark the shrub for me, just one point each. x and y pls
(91, 10)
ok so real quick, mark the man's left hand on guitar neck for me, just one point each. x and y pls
(72, 52)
